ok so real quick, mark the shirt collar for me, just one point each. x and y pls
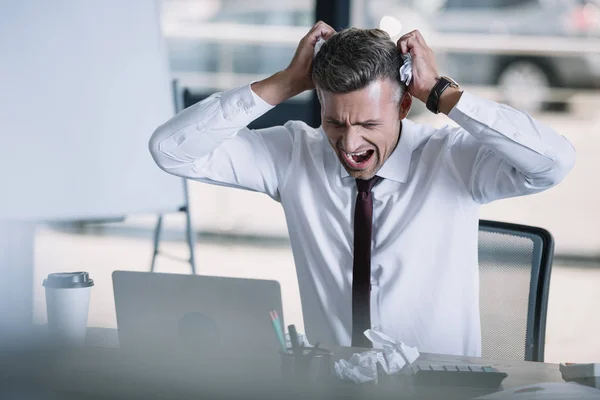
(396, 167)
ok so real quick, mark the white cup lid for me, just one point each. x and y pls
(68, 280)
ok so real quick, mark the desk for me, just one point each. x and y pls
(102, 371)
(519, 372)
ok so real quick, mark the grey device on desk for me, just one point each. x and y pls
(192, 315)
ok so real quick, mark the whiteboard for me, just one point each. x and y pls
(83, 84)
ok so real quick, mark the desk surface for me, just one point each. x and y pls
(519, 372)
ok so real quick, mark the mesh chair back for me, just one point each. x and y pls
(514, 267)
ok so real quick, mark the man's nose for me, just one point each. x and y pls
(352, 140)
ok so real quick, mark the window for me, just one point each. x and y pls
(203, 54)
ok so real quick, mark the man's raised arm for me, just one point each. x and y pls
(500, 152)
(210, 141)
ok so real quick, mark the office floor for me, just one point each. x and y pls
(573, 318)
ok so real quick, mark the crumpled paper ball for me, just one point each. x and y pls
(362, 367)
(406, 69)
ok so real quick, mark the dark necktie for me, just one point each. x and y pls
(361, 269)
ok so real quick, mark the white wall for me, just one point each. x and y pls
(16, 275)
(83, 84)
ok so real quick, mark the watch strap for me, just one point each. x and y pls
(433, 101)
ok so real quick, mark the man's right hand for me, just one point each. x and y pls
(300, 68)
(296, 78)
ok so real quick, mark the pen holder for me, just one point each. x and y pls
(308, 366)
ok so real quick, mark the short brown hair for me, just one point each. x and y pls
(354, 58)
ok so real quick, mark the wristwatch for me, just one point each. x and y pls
(433, 101)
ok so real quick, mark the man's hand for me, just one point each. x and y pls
(425, 71)
(300, 68)
(296, 78)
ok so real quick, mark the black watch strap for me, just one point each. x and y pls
(433, 101)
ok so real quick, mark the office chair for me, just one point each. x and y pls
(515, 262)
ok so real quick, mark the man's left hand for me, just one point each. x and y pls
(424, 69)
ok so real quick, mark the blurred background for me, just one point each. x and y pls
(539, 55)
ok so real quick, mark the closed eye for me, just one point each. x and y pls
(370, 125)
(337, 124)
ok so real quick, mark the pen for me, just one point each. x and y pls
(294, 340)
(277, 328)
(280, 329)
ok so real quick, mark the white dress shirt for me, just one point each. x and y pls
(425, 280)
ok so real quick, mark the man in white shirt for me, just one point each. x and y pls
(413, 274)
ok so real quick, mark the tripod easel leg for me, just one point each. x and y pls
(157, 231)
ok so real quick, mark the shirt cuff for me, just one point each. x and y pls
(470, 109)
(243, 105)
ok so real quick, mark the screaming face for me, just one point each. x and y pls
(363, 126)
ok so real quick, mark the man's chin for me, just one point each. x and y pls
(365, 175)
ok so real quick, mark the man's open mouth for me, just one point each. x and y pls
(358, 160)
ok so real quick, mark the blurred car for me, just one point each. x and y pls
(535, 46)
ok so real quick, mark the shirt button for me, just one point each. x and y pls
(376, 327)
(240, 103)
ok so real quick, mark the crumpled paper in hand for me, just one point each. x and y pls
(361, 368)
(393, 27)
(406, 69)
(318, 45)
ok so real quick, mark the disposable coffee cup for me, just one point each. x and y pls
(67, 306)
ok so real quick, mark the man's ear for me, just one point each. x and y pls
(405, 105)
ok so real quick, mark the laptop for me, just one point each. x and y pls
(200, 317)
